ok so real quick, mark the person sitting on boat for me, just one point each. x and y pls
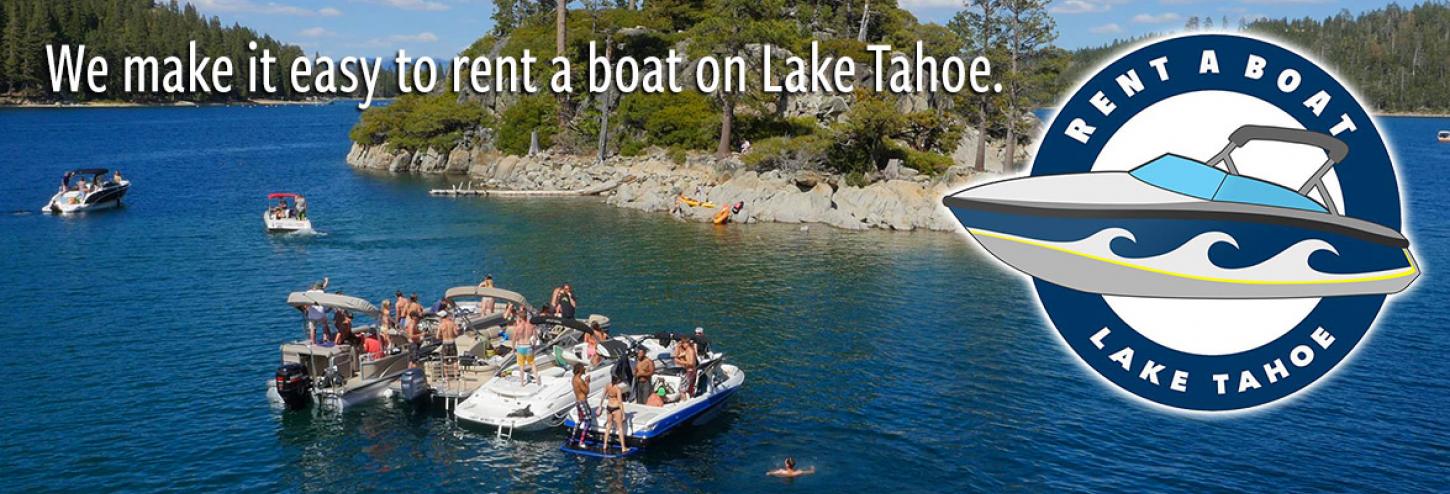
(644, 373)
(448, 332)
(373, 345)
(116, 177)
(657, 398)
(686, 358)
(790, 471)
(581, 403)
(614, 408)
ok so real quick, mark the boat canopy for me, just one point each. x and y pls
(282, 195)
(485, 292)
(88, 171)
(301, 300)
(1192, 178)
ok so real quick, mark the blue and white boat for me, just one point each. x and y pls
(1176, 227)
(645, 424)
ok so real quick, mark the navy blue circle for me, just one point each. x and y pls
(1366, 176)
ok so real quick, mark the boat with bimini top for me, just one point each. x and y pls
(1176, 227)
(334, 375)
(92, 192)
(288, 214)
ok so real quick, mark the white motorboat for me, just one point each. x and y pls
(508, 403)
(335, 376)
(646, 424)
(88, 194)
(288, 214)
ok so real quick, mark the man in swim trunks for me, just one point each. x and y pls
(644, 371)
(686, 358)
(524, 347)
(448, 332)
(400, 305)
(581, 403)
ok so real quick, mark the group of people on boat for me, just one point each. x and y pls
(96, 183)
(685, 354)
(284, 211)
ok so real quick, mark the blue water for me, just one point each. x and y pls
(139, 340)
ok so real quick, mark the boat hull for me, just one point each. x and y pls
(72, 203)
(699, 412)
(1187, 258)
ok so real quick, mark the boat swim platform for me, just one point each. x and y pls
(467, 190)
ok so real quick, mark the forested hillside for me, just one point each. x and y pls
(1398, 57)
(119, 28)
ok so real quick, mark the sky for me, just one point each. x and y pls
(442, 28)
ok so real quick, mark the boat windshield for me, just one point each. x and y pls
(1192, 178)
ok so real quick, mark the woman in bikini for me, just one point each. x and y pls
(614, 407)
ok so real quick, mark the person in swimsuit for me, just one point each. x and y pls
(686, 358)
(415, 335)
(790, 471)
(614, 408)
(581, 403)
(342, 322)
(644, 372)
(448, 332)
(524, 346)
(401, 307)
(591, 344)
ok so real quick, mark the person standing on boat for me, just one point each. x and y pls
(448, 332)
(415, 335)
(563, 301)
(686, 358)
(591, 344)
(581, 403)
(644, 372)
(524, 348)
(316, 314)
(702, 344)
(614, 407)
(402, 309)
(301, 208)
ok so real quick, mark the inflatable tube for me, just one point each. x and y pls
(721, 217)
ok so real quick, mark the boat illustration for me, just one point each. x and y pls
(1179, 228)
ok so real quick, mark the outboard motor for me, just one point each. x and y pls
(294, 385)
(414, 385)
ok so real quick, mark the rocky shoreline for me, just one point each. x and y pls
(899, 199)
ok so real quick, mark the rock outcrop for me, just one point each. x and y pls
(653, 183)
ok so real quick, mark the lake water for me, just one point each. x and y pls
(139, 341)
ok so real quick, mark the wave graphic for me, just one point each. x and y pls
(1192, 257)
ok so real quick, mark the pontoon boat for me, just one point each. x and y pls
(1176, 227)
(92, 192)
(335, 376)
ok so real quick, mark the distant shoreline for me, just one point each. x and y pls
(1412, 114)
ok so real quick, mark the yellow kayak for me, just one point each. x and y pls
(694, 203)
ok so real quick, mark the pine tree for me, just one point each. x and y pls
(732, 25)
(980, 25)
(1029, 31)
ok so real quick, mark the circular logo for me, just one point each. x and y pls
(1211, 221)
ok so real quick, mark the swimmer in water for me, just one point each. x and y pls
(790, 471)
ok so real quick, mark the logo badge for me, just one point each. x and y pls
(1212, 222)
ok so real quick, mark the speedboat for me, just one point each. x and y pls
(1443, 136)
(335, 376)
(480, 315)
(91, 193)
(646, 424)
(288, 214)
(1175, 227)
(509, 404)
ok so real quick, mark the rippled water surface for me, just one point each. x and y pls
(139, 341)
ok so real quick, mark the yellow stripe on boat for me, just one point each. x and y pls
(1407, 271)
